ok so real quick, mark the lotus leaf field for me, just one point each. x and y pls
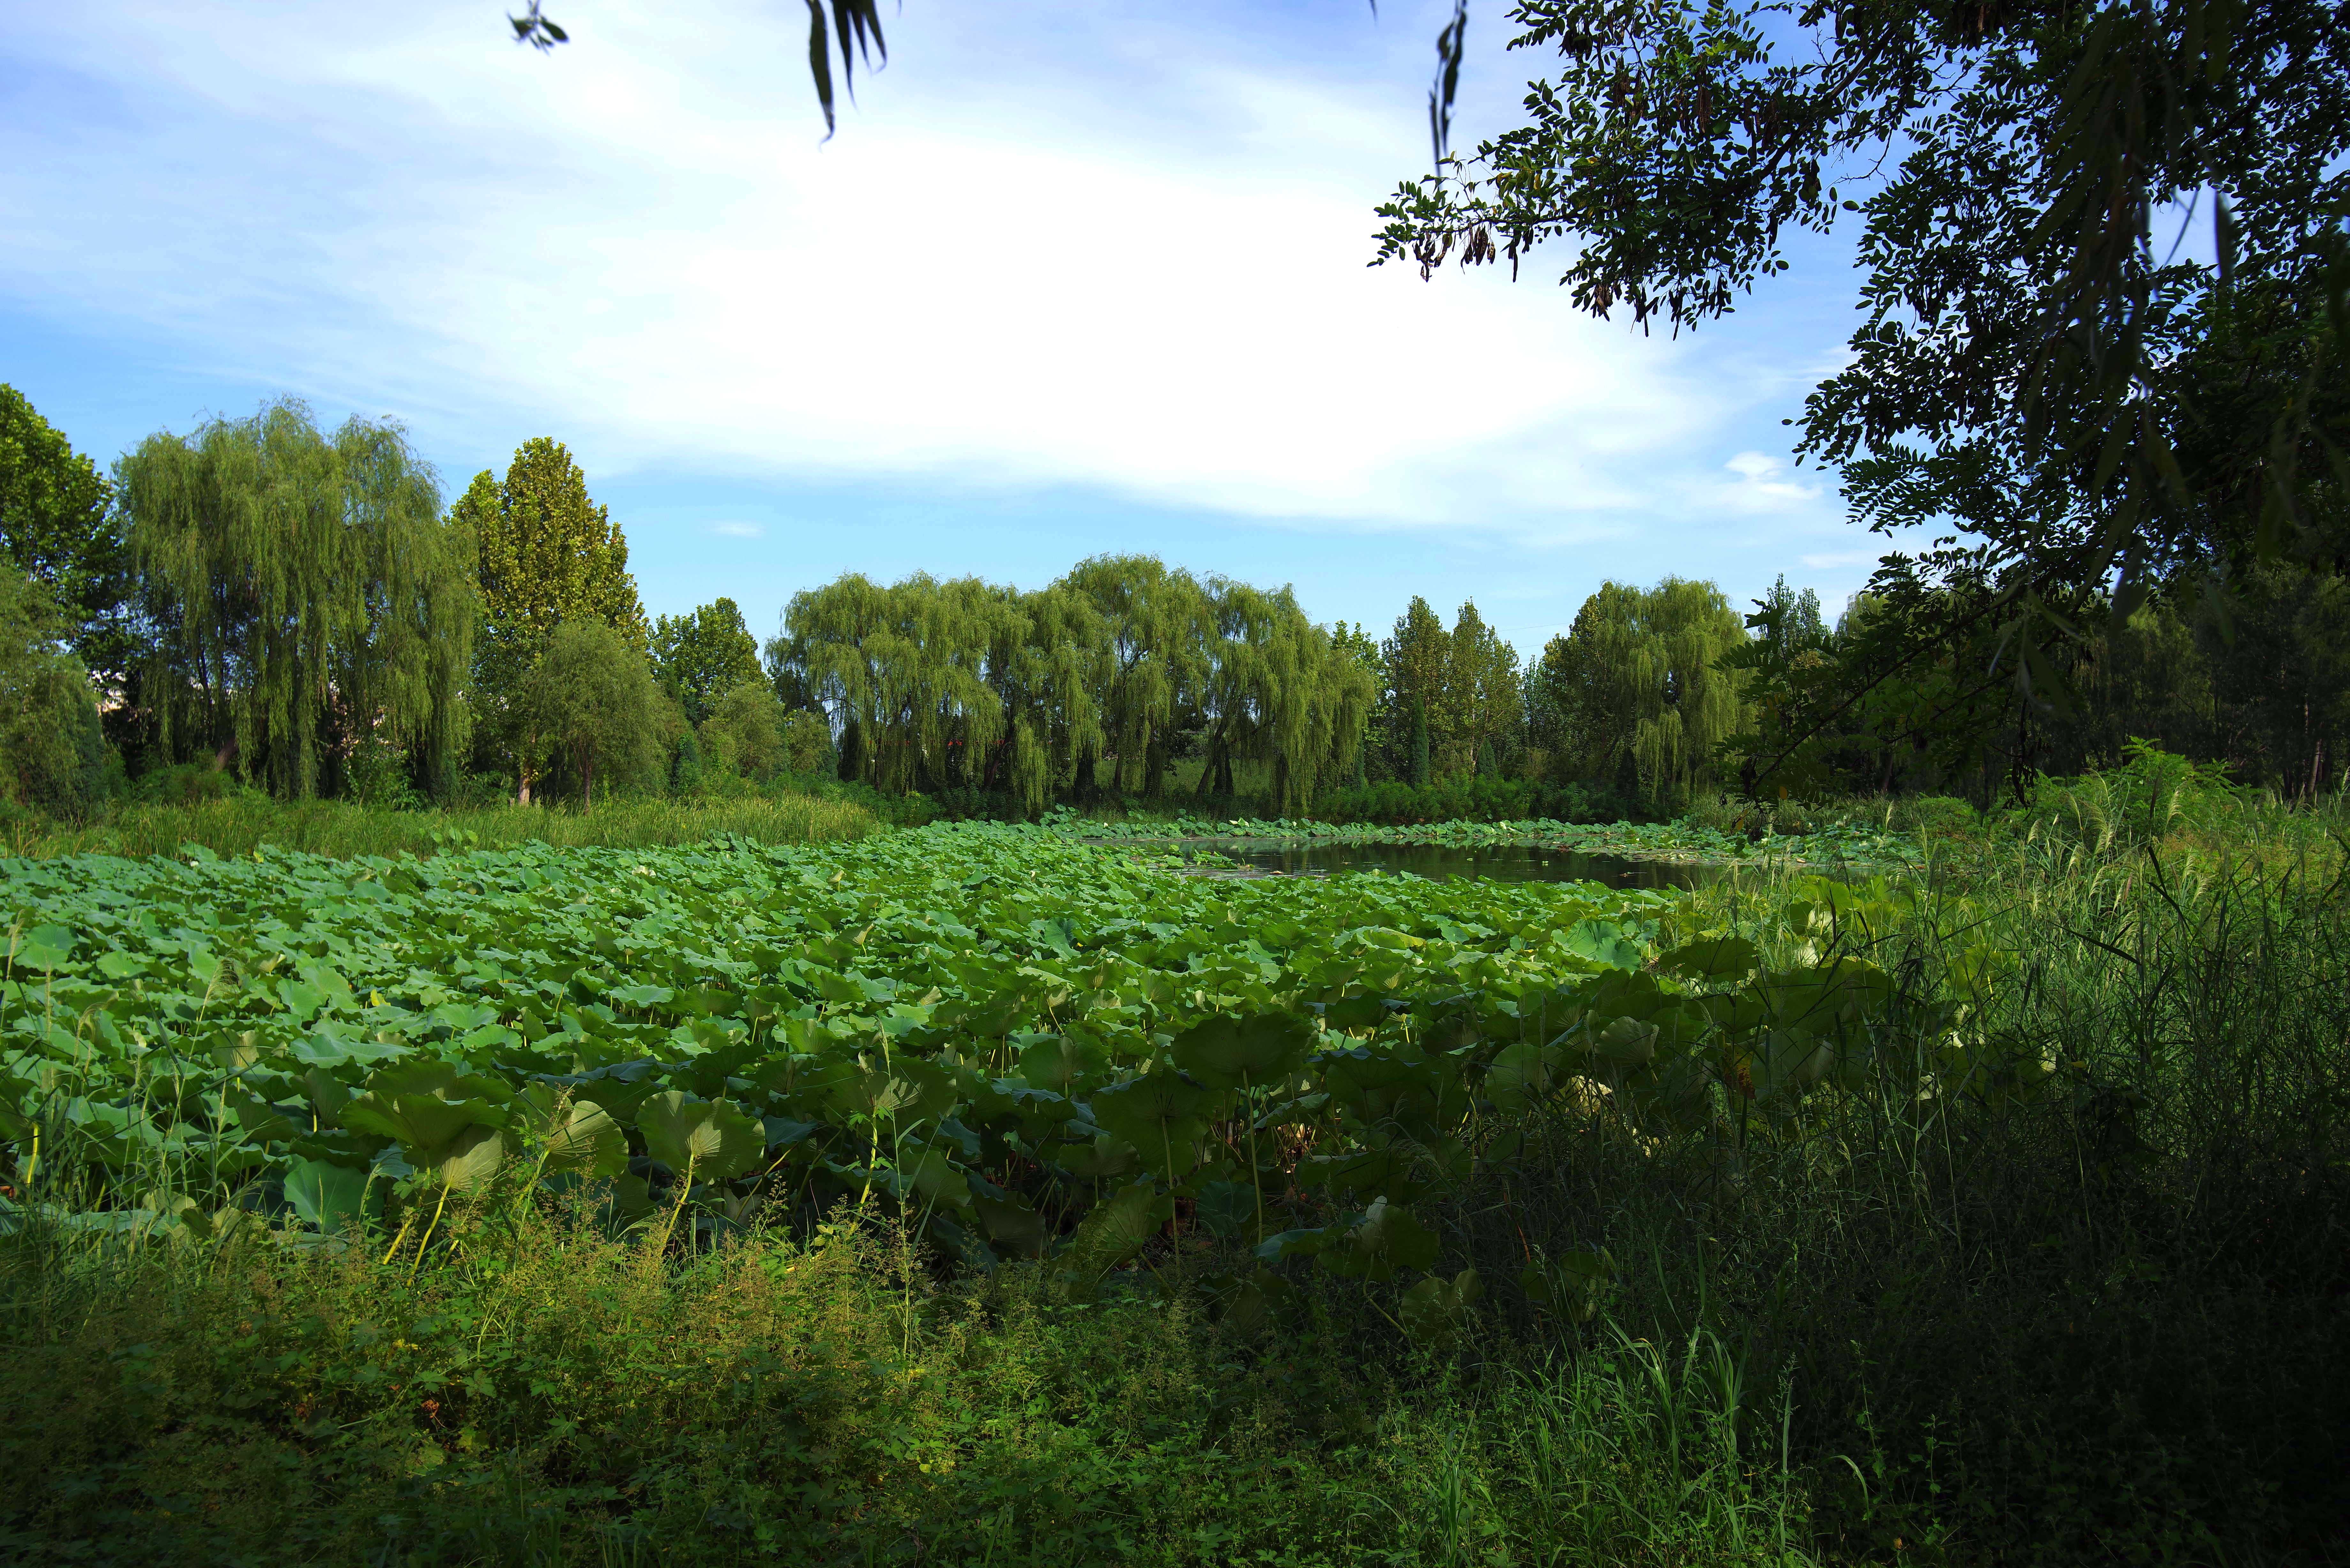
(1032, 1046)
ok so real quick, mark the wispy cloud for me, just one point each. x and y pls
(738, 530)
(641, 244)
(1761, 488)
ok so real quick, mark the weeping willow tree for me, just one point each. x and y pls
(1278, 691)
(303, 596)
(1052, 663)
(904, 670)
(1637, 675)
(936, 684)
(1152, 619)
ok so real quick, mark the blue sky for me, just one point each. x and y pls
(1075, 276)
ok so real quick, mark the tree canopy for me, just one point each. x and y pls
(548, 555)
(50, 747)
(703, 655)
(300, 592)
(1638, 689)
(590, 697)
(1094, 682)
(2038, 366)
(56, 524)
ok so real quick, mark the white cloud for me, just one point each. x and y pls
(738, 530)
(1834, 559)
(643, 245)
(1760, 487)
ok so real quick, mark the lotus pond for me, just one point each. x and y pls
(1029, 1045)
(1437, 862)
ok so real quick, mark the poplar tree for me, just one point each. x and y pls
(303, 594)
(1417, 658)
(1482, 693)
(548, 555)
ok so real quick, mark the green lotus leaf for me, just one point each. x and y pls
(1226, 1208)
(1011, 1224)
(420, 1124)
(327, 1195)
(904, 1089)
(937, 1178)
(1055, 1062)
(1113, 1232)
(1435, 1311)
(1386, 1238)
(1160, 1114)
(711, 1139)
(470, 1159)
(1713, 959)
(575, 1135)
(1224, 1052)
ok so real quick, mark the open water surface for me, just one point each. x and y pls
(1503, 862)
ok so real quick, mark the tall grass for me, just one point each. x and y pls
(240, 824)
(2096, 1311)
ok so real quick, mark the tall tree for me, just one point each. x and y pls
(51, 753)
(744, 731)
(1152, 616)
(303, 594)
(905, 669)
(58, 524)
(548, 555)
(590, 697)
(1482, 694)
(704, 655)
(1639, 674)
(1418, 660)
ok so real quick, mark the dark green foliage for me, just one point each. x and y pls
(703, 656)
(590, 702)
(1093, 685)
(1644, 688)
(548, 554)
(745, 734)
(52, 755)
(2036, 363)
(57, 524)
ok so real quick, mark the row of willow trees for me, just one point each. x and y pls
(1099, 682)
(1129, 678)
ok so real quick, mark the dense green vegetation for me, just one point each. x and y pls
(670, 1166)
(979, 1194)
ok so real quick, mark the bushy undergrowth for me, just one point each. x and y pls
(539, 1393)
(237, 823)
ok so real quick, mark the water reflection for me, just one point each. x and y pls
(1501, 862)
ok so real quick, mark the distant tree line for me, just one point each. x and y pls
(293, 609)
